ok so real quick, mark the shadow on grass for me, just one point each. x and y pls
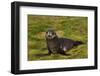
(43, 55)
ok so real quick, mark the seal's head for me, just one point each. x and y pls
(51, 34)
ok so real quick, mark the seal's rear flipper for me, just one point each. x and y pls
(78, 43)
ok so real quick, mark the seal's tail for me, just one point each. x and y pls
(78, 43)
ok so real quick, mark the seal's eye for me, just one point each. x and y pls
(53, 33)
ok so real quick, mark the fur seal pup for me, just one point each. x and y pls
(59, 45)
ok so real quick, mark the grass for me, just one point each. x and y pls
(65, 26)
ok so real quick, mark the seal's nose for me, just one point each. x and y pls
(49, 35)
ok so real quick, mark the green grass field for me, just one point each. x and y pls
(72, 27)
